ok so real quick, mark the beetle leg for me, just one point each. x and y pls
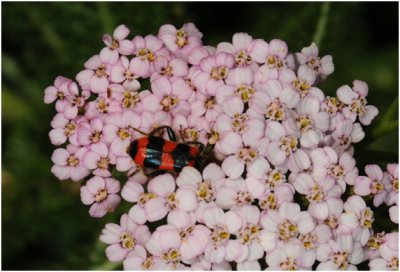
(156, 173)
(201, 145)
(170, 131)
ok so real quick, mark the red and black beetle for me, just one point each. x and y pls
(157, 153)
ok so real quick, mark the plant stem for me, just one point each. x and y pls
(321, 25)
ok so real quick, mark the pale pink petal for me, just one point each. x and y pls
(233, 167)
(155, 209)
(362, 186)
(346, 94)
(162, 185)
(115, 253)
(131, 191)
(98, 84)
(187, 199)
(137, 214)
(86, 196)
(230, 143)
(305, 222)
(214, 216)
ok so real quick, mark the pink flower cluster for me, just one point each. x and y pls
(283, 187)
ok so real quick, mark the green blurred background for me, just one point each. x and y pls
(44, 224)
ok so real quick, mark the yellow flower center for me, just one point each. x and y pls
(123, 133)
(69, 128)
(358, 106)
(316, 194)
(275, 111)
(101, 105)
(243, 59)
(288, 144)
(247, 154)
(95, 137)
(130, 99)
(73, 161)
(245, 92)
(341, 260)
(289, 264)
(169, 102)
(219, 73)
(127, 240)
(304, 123)
(101, 71)
(367, 218)
(181, 38)
(205, 191)
(220, 235)
(287, 230)
(146, 54)
(101, 195)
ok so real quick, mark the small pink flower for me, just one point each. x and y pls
(117, 44)
(56, 92)
(152, 120)
(342, 253)
(125, 72)
(97, 159)
(72, 101)
(239, 154)
(273, 199)
(246, 50)
(68, 163)
(302, 82)
(289, 257)
(233, 193)
(221, 247)
(389, 256)
(124, 238)
(170, 68)
(357, 219)
(284, 225)
(272, 101)
(102, 194)
(308, 121)
(249, 234)
(169, 98)
(328, 165)
(309, 56)
(190, 128)
(165, 242)
(118, 131)
(275, 56)
(346, 133)
(180, 41)
(205, 105)
(355, 99)
(194, 237)
(393, 186)
(90, 132)
(317, 193)
(283, 146)
(249, 127)
(239, 83)
(139, 259)
(374, 184)
(63, 130)
(95, 77)
(215, 69)
(127, 98)
(147, 50)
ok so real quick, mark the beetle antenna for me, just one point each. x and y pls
(138, 130)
